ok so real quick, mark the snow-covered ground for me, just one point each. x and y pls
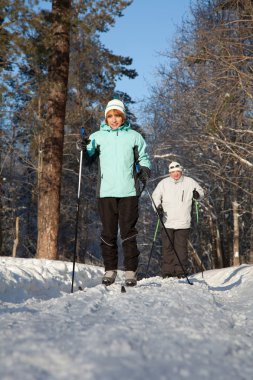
(160, 329)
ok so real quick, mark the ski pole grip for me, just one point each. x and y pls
(197, 211)
(82, 132)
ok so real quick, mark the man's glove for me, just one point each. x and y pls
(160, 211)
(195, 194)
(144, 174)
(82, 144)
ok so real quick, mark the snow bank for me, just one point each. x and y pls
(21, 279)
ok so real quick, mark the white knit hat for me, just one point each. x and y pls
(174, 167)
(115, 104)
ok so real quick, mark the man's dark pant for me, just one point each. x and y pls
(122, 212)
(177, 242)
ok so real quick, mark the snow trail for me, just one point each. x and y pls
(162, 328)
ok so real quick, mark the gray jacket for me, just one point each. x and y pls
(176, 199)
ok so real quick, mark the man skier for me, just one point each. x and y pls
(173, 197)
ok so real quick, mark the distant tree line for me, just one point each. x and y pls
(201, 114)
(56, 77)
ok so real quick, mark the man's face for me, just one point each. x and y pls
(176, 175)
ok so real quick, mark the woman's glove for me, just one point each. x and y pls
(195, 194)
(160, 211)
(144, 174)
(82, 144)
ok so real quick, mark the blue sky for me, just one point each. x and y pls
(146, 29)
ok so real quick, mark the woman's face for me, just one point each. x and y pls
(114, 119)
(176, 175)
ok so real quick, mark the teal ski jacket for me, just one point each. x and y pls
(119, 151)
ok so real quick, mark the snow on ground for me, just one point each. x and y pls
(162, 329)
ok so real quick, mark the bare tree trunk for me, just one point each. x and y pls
(216, 243)
(236, 258)
(1, 213)
(196, 257)
(250, 259)
(218, 247)
(52, 152)
(16, 240)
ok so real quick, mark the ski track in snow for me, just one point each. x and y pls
(160, 329)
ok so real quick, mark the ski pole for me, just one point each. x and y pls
(161, 220)
(197, 210)
(153, 243)
(202, 266)
(77, 211)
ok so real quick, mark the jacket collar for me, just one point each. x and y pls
(177, 181)
(124, 127)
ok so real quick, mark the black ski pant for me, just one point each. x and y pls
(178, 242)
(122, 212)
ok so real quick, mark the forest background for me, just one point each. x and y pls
(56, 77)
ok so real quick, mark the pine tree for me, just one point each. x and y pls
(50, 180)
